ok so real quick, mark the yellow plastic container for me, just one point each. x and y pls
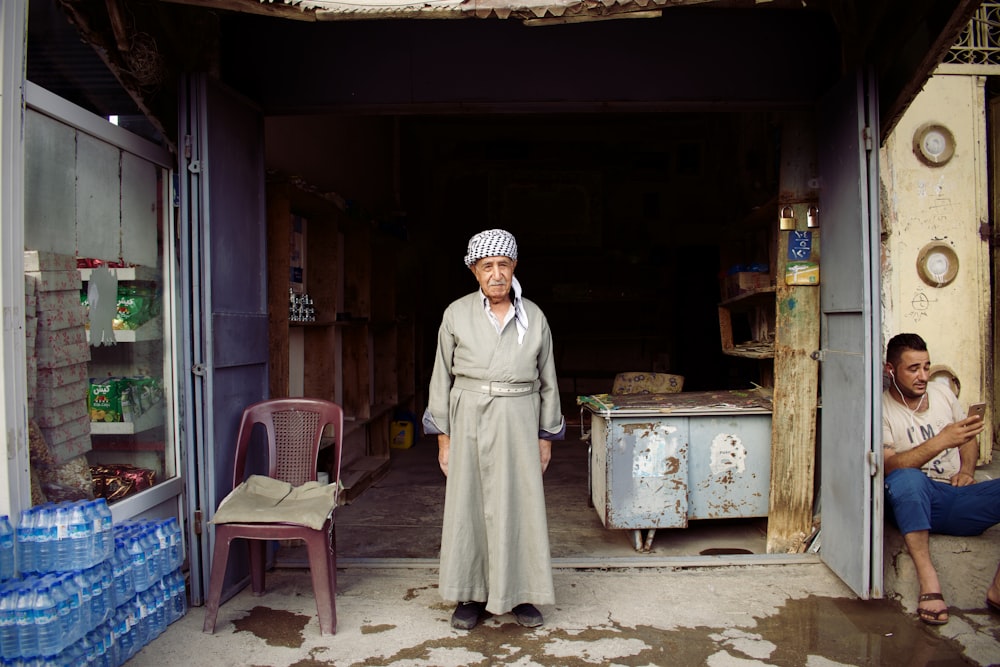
(401, 434)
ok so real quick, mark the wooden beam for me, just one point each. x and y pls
(796, 374)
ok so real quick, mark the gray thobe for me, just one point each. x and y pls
(494, 543)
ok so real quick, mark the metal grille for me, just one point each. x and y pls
(979, 43)
(294, 433)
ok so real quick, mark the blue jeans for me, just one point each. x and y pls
(916, 502)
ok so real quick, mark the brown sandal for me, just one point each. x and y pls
(926, 615)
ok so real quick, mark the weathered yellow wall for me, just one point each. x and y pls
(922, 204)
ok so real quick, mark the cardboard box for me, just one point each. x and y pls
(51, 397)
(56, 281)
(61, 300)
(74, 428)
(56, 355)
(40, 260)
(52, 320)
(743, 282)
(61, 376)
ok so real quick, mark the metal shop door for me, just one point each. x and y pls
(224, 299)
(851, 387)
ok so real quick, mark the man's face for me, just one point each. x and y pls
(912, 373)
(494, 275)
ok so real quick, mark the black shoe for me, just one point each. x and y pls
(527, 615)
(467, 615)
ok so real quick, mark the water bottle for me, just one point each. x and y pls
(101, 584)
(9, 647)
(61, 598)
(25, 535)
(86, 591)
(154, 556)
(121, 569)
(140, 569)
(25, 617)
(59, 538)
(124, 633)
(49, 634)
(81, 537)
(178, 596)
(96, 653)
(160, 616)
(6, 549)
(104, 525)
(47, 536)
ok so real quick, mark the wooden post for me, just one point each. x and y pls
(796, 374)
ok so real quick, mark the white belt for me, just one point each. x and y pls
(497, 388)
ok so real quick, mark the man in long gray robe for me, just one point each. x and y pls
(494, 403)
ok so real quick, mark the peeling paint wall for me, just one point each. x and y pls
(943, 204)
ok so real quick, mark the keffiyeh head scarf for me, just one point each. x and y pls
(491, 243)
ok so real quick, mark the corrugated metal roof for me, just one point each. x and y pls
(338, 10)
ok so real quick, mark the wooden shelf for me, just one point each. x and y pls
(751, 298)
(751, 350)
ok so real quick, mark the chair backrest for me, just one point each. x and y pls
(647, 383)
(294, 428)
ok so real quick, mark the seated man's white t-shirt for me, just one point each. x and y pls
(903, 429)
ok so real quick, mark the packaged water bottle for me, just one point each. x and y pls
(99, 595)
(9, 646)
(140, 568)
(96, 553)
(83, 585)
(46, 536)
(75, 598)
(120, 569)
(80, 530)
(25, 534)
(124, 633)
(107, 524)
(154, 556)
(49, 634)
(6, 549)
(61, 556)
(160, 616)
(97, 652)
(60, 597)
(25, 616)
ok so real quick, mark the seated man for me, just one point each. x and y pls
(930, 452)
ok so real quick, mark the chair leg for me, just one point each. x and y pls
(257, 558)
(220, 559)
(323, 580)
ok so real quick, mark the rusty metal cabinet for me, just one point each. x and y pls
(652, 469)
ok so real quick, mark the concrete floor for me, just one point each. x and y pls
(614, 606)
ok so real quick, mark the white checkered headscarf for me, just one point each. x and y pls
(491, 243)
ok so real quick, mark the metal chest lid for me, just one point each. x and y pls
(717, 402)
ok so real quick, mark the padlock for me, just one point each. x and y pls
(812, 217)
(787, 220)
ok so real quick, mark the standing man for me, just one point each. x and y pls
(494, 405)
(930, 452)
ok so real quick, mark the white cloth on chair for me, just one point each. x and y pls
(263, 499)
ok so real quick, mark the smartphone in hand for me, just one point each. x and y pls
(977, 409)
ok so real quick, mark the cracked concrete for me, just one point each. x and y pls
(741, 615)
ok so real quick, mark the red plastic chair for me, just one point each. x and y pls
(294, 428)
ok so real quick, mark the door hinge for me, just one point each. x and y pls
(198, 369)
(187, 146)
(818, 355)
(194, 166)
(872, 464)
(197, 522)
(866, 136)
